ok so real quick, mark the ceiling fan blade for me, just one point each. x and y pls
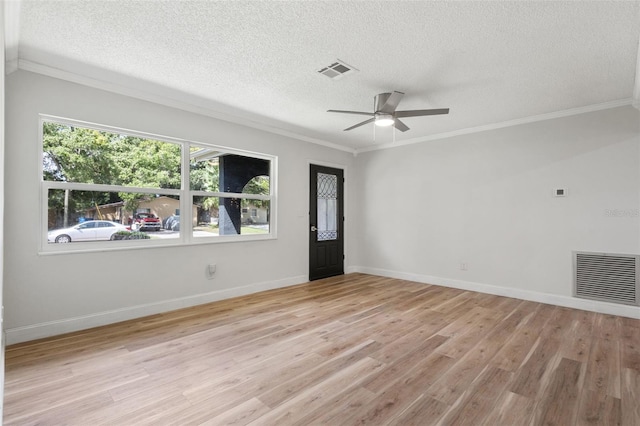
(400, 125)
(370, 114)
(371, 120)
(391, 103)
(421, 112)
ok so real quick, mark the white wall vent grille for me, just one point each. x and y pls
(337, 70)
(607, 277)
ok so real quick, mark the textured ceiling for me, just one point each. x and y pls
(489, 62)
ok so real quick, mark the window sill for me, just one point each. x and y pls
(109, 246)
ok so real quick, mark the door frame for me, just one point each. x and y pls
(345, 212)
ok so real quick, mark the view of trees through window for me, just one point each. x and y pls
(137, 182)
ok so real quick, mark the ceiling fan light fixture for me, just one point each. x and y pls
(384, 120)
(385, 114)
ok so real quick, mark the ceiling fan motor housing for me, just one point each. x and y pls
(380, 100)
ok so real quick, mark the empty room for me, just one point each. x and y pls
(320, 212)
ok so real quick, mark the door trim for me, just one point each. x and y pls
(345, 193)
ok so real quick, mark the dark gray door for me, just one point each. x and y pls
(326, 222)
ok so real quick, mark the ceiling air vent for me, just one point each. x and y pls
(337, 70)
(606, 277)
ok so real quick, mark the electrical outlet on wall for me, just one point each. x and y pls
(464, 266)
(211, 270)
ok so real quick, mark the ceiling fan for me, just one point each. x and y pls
(385, 113)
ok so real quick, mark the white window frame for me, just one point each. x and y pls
(185, 193)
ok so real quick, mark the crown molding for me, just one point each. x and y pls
(169, 97)
(503, 124)
(11, 34)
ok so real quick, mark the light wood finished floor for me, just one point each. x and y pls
(355, 349)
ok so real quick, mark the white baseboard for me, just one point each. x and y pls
(533, 296)
(67, 325)
(351, 269)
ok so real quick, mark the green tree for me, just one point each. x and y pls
(205, 176)
(145, 163)
(73, 154)
(258, 185)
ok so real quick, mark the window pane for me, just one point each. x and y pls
(257, 185)
(75, 154)
(72, 213)
(216, 171)
(204, 169)
(230, 216)
(256, 220)
(327, 207)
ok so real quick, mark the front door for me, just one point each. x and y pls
(326, 222)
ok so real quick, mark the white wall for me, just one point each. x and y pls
(2, 168)
(416, 212)
(49, 294)
(485, 199)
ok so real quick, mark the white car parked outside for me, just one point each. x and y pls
(91, 230)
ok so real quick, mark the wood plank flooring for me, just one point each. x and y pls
(354, 349)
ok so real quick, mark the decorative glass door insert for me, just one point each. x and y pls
(327, 207)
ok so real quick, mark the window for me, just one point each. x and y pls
(224, 186)
(133, 186)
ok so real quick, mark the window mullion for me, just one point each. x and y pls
(74, 186)
(186, 198)
(232, 195)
